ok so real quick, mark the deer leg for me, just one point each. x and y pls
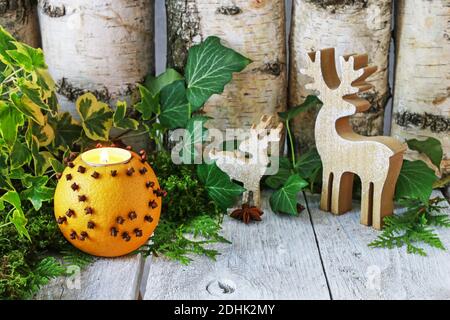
(325, 200)
(377, 215)
(366, 202)
(336, 185)
(256, 196)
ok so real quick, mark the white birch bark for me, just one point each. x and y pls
(361, 26)
(101, 46)
(20, 18)
(253, 28)
(422, 88)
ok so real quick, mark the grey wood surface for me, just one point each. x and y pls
(314, 256)
(104, 279)
(355, 271)
(274, 259)
(279, 259)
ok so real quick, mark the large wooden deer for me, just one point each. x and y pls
(250, 170)
(376, 160)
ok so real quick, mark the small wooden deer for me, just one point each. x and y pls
(250, 170)
(376, 160)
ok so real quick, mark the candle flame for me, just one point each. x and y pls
(104, 156)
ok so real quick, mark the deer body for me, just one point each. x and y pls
(249, 170)
(376, 160)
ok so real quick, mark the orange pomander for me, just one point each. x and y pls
(109, 210)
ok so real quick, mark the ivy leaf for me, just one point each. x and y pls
(36, 191)
(10, 120)
(209, 68)
(96, 117)
(6, 43)
(219, 185)
(45, 134)
(415, 181)
(32, 92)
(20, 155)
(309, 103)
(57, 166)
(309, 164)
(193, 138)
(120, 120)
(149, 103)
(431, 147)
(39, 160)
(17, 218)
(28, 108)
(65, 129)
(27, 57)
(20, 221)
(156, 84)
(174, 106)
(285, 199)
(284, 172)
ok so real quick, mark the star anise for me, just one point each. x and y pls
(247, 213)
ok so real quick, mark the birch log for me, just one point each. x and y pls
(101, 46)
(20, 18)
(254, 28)
(422, 88)
(348, 26)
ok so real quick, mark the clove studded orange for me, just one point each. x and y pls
(108, 210)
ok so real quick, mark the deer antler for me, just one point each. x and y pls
(264, 122)
(354, 73)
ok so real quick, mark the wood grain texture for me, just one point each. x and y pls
(422, 89)
(20, 18)
(376, 160)
(101, 46)
(348, 26)
(104, 279)
(253, 28)
(356, 271)
(274, 259)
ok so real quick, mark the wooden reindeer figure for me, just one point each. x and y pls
(376, 160)
(250, 170)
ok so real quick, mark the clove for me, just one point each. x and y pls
(129, 148)
(82, 198)
(152, 204)
(73, 156)
(73, 235)
(88, 210)
(70, 213)
(114, 232)
(95, 175)
(148, 218)
(75, 186)
(99, 145)
(138, 232)
(126, 236)
(150, 184)
(71, 165)
(61, 220)
(68, 177)
(83, 235)
(113, 173)
(58, 175)
(91, 225)
(81, 169)
(120, 220)
(132, 215)
(143, 170)
(130, 172)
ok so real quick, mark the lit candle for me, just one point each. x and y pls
(106, 156)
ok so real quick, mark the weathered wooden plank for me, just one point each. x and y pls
(274, 259)
(356, 271)
(104, 279)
